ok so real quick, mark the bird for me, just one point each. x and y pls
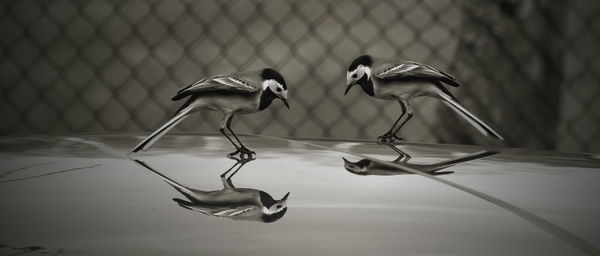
(402, 80)
(247, 204)
(366, 167)
(235, 93)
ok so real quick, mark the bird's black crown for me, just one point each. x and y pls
(364, 60)
(268, 73)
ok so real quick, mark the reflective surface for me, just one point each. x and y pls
(369, 167)
(229, 202)
(82, 194)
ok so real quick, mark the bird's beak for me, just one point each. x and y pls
(349, 86)
(346, 160)
(285, 102)
(285, 197)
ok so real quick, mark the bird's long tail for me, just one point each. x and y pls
(181, 188)
(148, 141)
(478, 124)
(470, 157)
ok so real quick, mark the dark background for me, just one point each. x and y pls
(528, 68)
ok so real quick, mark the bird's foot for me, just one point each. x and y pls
(383, 139)
(247, 152)
(244, 154)
(399, 140)
(390, 138)
(438, 172)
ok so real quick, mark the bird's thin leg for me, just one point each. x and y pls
(227, 184)
(223, 132)
(231, 168)
(398, 120)
(228, 125)
(402, 156)
(390, 135)
(409, 113)
(242, 163)
(226, 119)
(243, 150)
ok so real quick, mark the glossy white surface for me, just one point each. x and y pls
(115, 206)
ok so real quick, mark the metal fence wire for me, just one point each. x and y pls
(528, 68)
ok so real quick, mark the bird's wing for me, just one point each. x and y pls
(411, 69)
(220, 211)
(242, 210)
(236, 83)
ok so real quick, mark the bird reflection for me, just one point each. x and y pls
(246, 204)
(368, 167)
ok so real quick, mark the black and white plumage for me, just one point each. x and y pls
(236, 93)
(367, 167)
(402, 81)
(247, 204)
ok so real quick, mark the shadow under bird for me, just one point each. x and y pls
(235, 93)
(245, 204)
(403, 80)
(367, 167)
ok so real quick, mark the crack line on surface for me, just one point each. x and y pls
(51, 173)
(24, 168)
(538, 221)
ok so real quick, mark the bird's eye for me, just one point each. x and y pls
(279, 206)
(354, 76)
(278, 89)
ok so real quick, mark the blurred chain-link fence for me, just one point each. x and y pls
(528, 68)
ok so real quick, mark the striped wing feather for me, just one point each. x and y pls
(410, 69)
(228, 83)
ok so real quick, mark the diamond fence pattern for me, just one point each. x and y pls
(530, 69)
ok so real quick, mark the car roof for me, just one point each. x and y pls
(85, 194)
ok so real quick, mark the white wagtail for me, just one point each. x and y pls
(403, 80)
(230, 202)
(231, 94)
(368, 167)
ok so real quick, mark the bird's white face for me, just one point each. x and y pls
(277, 89)
(354, 168)
(353, 76)
(279, 206)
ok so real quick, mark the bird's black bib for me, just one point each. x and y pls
(266, 98)
(367, 85)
